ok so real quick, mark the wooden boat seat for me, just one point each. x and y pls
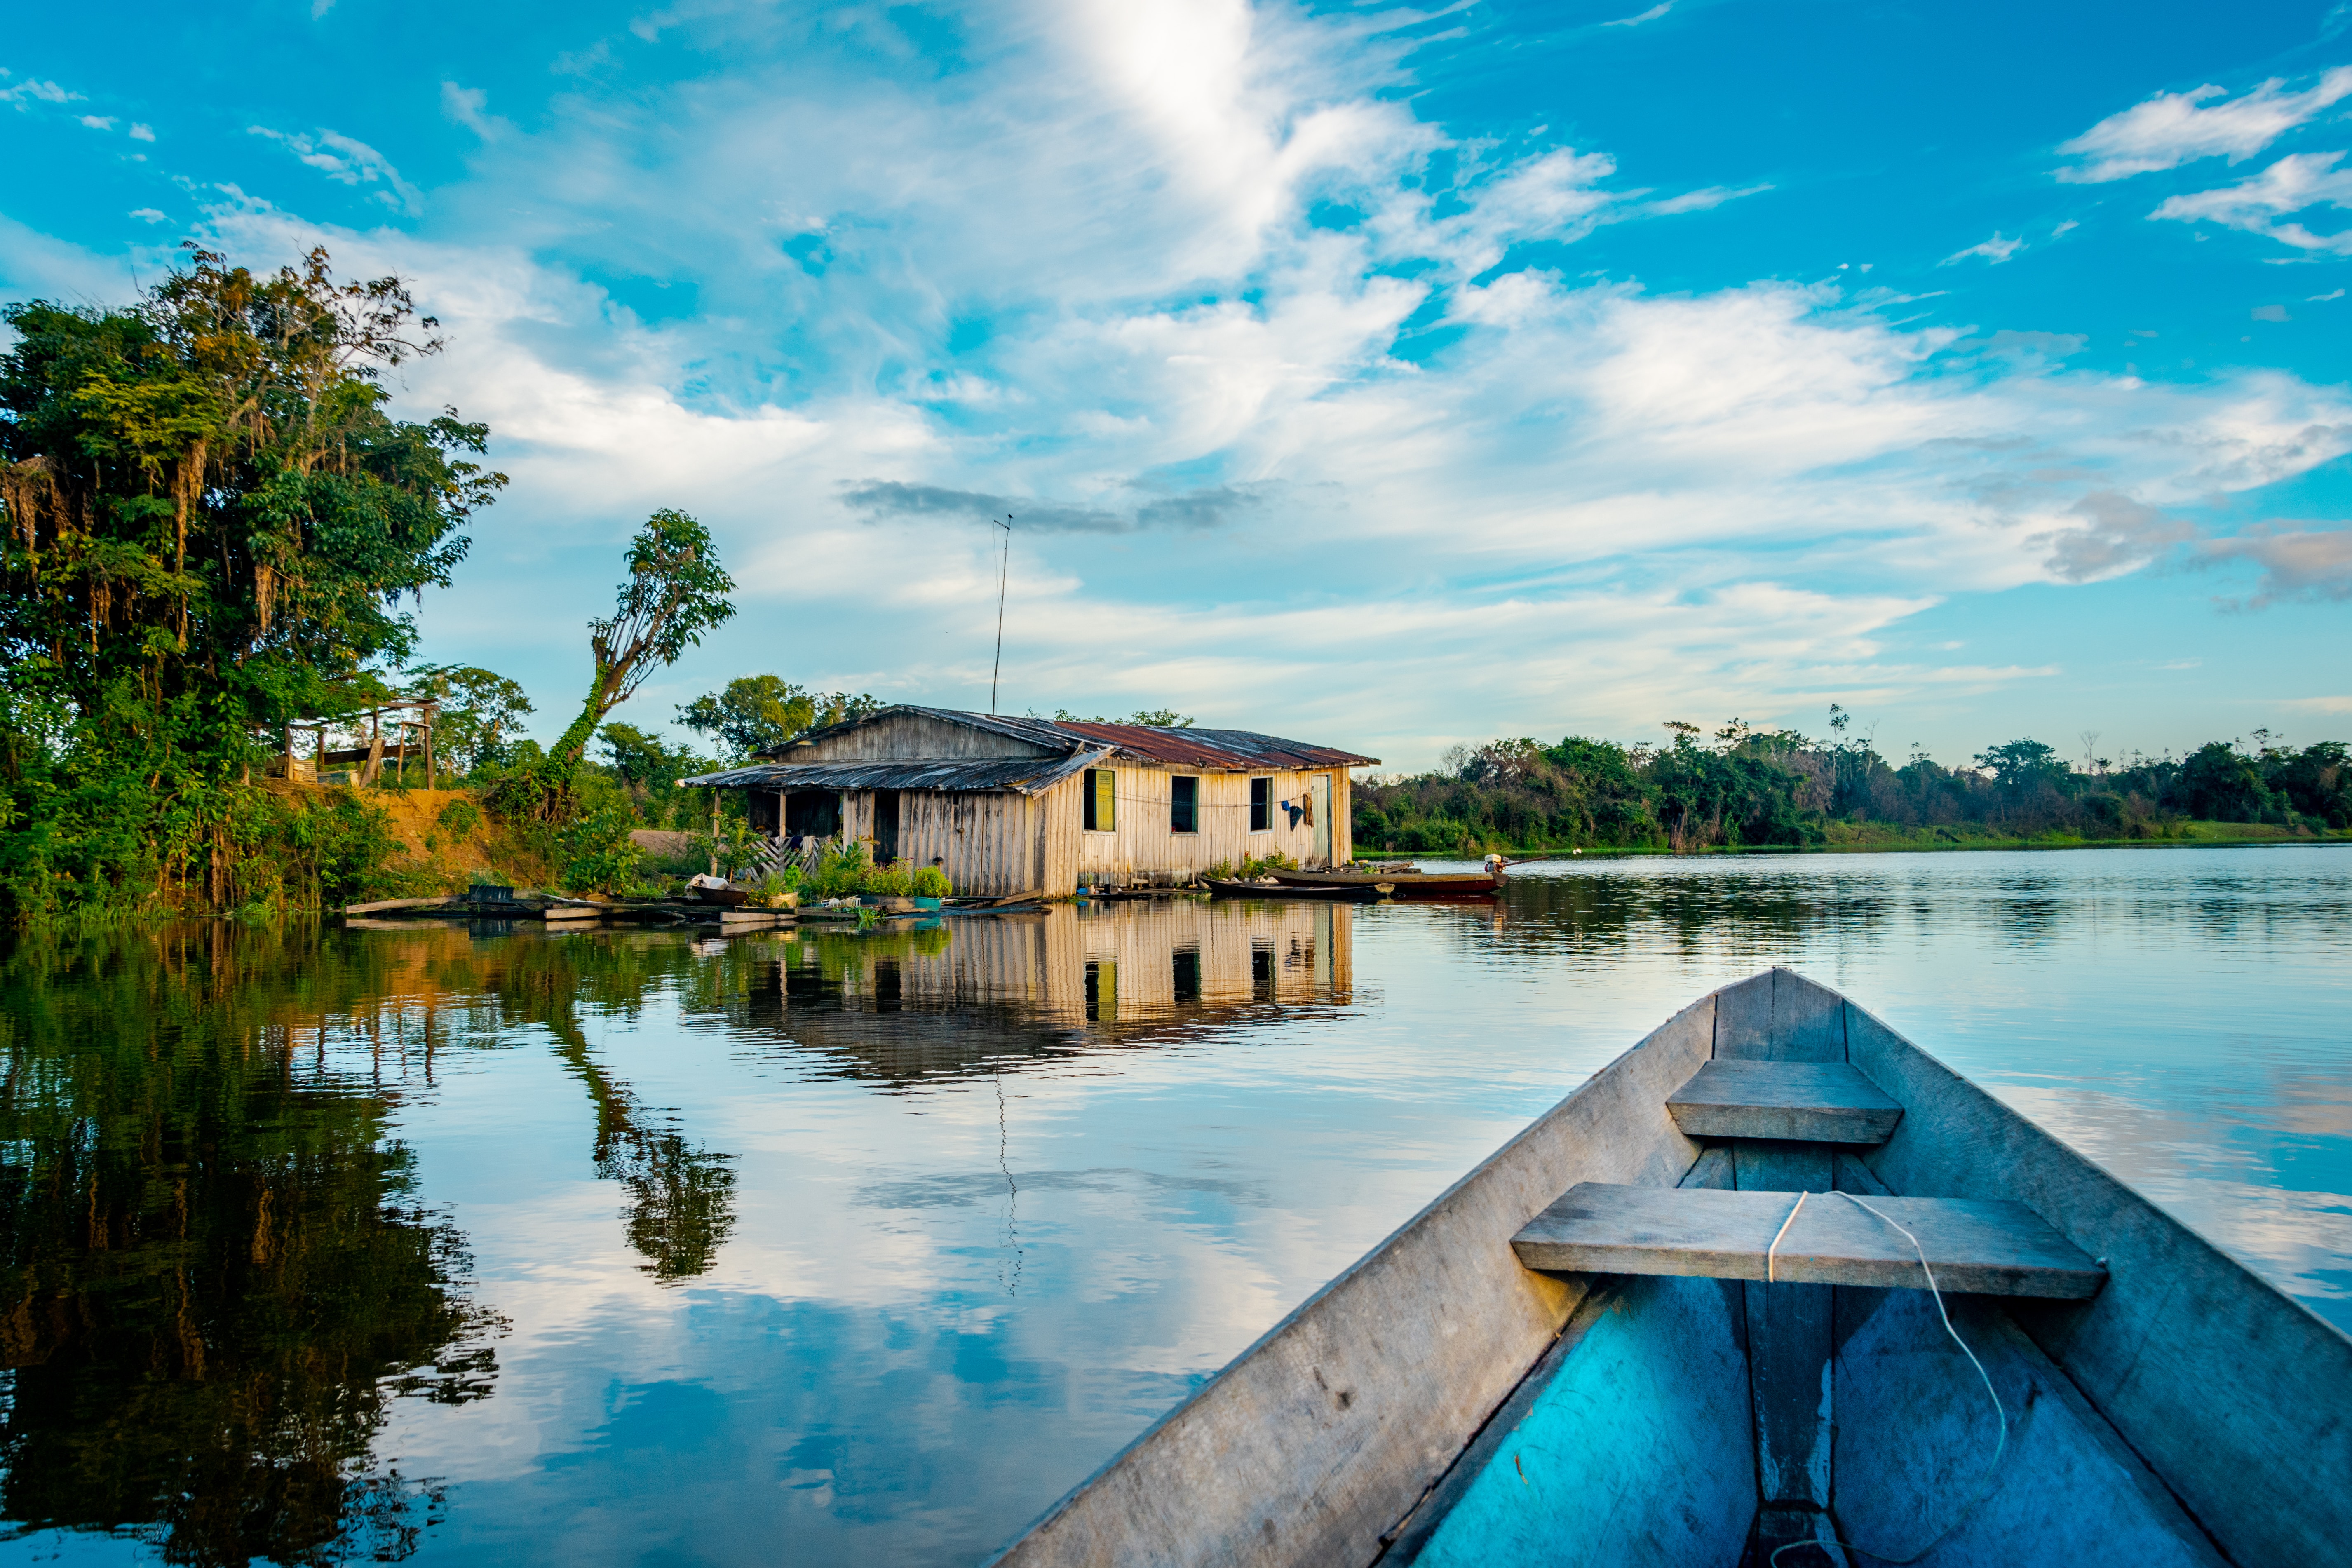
(1988, 1248)
(1821, 1102)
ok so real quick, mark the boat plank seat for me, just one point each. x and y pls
(1987, 1249)
(1821, 1102)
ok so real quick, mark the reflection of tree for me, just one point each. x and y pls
(682, 1195)
(213, 1274)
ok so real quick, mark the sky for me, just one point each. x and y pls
(1385, 377)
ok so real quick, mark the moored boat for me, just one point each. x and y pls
(1413, 884)
(1773, 1287)
(1357, 889)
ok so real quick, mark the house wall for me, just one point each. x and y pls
(902, 735)
(991, 843)
(1145, 848)
(1287, 952)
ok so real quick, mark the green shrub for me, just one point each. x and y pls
(842, 872)
(897, 883)
(931, 882)
(459, 818)
(597, 853)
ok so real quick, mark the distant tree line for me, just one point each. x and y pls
(1754, 787)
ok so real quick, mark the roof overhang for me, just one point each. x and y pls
(1003, 776)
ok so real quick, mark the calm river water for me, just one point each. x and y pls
(599, 1248)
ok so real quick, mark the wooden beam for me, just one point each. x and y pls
(1825, 1102)
(1987, 1249)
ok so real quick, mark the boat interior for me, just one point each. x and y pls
(1774, 1288)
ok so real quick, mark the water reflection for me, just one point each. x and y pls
(218, 1271)
(985, 995)
(874, 1242)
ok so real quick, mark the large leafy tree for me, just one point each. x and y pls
(208, 520)
(675, 592)
(756, 713)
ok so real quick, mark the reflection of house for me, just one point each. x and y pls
(1012, 806)
(931, 1002)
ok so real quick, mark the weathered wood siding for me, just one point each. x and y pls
(1146, 848)
(988, 842)
(911, 735)
(1041, 965)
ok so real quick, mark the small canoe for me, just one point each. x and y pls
(1408, 884)
(1695, 1316)
(1352, 890)
(727, 898)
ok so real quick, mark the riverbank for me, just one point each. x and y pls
(1876, 838)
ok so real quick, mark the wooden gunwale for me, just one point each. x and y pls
(1322, 1441)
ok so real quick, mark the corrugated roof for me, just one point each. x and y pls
(1020, 775)
(1215, 751)
(1037, 731)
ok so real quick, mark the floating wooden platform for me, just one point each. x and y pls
(1824, 1102)
(1991, 1248)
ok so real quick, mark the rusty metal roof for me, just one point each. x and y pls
(1018, 776)
(1213, 751)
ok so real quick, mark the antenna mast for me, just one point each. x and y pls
(1004, 563)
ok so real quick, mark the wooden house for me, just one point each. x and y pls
(1014, 806)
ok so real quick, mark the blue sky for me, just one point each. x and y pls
(1388, 377)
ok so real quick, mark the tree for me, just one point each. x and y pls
(207, 522)
(1156, 717)
(675, 592)
(756, 713)
(477, 709)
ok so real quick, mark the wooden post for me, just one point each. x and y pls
(714, 830)
(432, 712)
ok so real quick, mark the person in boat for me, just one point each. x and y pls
(1494, 865)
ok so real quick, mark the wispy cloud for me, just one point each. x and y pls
(2293, 184)
(37, 91)
(1995, 250)
(1275, 376)
(1652, 15)
(350, 162)
(469, 107)
(2117, 534)
(98, 122)
(2175, 128)
(2297, 564)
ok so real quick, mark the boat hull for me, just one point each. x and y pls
(1404, 884)
(1351, 891)
(1437, 1403)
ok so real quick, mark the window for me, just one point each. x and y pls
(1183, 805)
(1187, 973)
(1261, 805)
(1102, 800)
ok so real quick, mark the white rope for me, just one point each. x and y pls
(1771, 1253)
(2001, 1413)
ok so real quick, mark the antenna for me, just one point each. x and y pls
(1004, 563)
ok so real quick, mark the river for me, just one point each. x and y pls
(430, 1244)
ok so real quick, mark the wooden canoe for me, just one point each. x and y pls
(1407, 884)
(1355, 890)
(1597, 1349)
(725, 898)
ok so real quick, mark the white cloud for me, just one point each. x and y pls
(469, 107)
(1995, 250)
(350, 162)
(98, 122)
(33, 91)
(142, 133)
(1652, 15)
(1217, 269)
(2297, 182)
(147, 215)
(2176, 128)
